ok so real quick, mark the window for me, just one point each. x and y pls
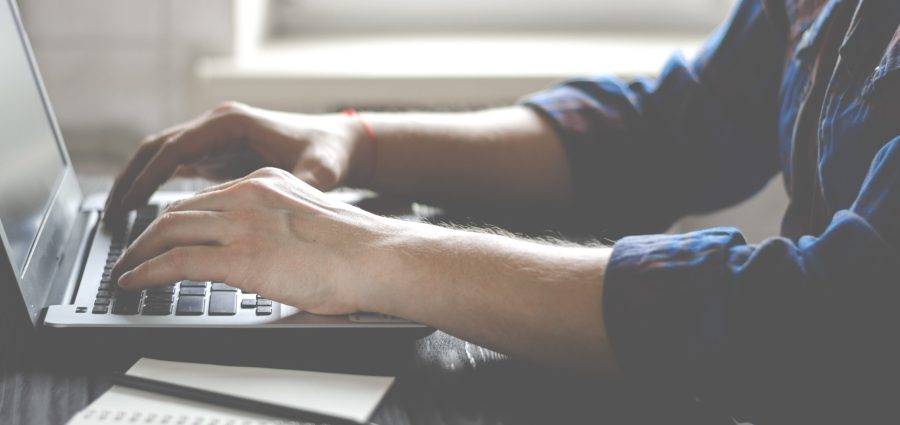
(443, 54)
(293, 18)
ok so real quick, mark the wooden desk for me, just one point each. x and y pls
(441, 380)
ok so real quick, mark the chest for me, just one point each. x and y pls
(839, 100)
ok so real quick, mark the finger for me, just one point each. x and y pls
(146, 151)
(229, 164)
(217, 200)
(309, 178)
(186, 171)
(173, 229)
(183, 148)
(225, 196)
(200, 262)
(317, 172)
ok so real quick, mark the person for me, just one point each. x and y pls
(784, 327)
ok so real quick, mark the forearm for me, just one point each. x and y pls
(538, 301)
(503, 156)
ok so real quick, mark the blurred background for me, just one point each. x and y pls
(117, 70)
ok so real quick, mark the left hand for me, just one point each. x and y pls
(268, 233)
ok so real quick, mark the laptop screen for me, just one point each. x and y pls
(31, 162)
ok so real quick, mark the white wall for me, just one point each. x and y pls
(117, 70)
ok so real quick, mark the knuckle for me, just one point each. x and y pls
(267, 172)
(230, 113)
(235, 191)
(148, 141)
(170, 145)
(229, 106)
(252, 186)
(173, 206)
(166, 220)
(172, 141)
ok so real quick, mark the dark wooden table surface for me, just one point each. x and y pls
(45, 378)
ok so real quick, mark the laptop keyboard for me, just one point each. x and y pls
(185, 298)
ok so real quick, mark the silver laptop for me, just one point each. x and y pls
(58, 253)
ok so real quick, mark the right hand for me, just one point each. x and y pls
(233, 140)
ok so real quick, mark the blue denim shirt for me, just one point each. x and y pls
(783, 328)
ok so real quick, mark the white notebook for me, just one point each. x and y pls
(352, 397)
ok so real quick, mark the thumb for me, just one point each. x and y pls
(309, 178)
(318, 176)
(319, 171)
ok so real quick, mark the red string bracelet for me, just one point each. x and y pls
(370, 134)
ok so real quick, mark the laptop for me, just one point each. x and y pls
(57, 254)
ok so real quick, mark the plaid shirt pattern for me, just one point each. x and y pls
(784, 330)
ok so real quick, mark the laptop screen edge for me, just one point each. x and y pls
(35, 280)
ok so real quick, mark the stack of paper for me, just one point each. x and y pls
(352, 397)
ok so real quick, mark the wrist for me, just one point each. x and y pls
(362, 149)
(397, 264)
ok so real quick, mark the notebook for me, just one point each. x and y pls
(352, 397)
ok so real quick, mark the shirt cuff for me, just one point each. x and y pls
(664, 301)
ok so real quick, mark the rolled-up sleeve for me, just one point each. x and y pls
(700, 137)
(765, 328)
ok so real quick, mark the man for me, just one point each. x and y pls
(775, 330)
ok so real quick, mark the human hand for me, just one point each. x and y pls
(268, 233)
(233, 140)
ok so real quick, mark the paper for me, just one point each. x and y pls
(122, 405)
(352, 397)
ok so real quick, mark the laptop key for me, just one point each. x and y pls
(192, 284)
(125, 295)
(192, 291)
(248, 303)
(263, 302)
(127, 306)
(166, 290)
(222, 303)
(100, 309)
(157, 310)
(263, 311)
(219, 286)
(190, 306)
(159, 299)
(101, 301)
